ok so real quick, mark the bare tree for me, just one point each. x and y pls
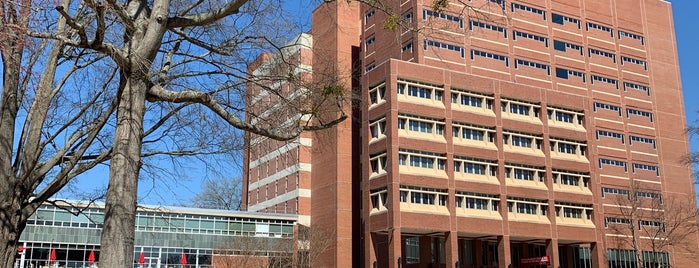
(652, 223)
(113, 82)
(311, 245)
(301, 251)
(250, 251)
(219, 193)
(86, 83)
(47, 135)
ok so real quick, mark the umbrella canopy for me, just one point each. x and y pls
(52, 256)
(91, 257)
(142, 258)
(183, 260)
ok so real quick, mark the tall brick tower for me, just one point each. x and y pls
(520, 132)
(316, 176)
(495, 133)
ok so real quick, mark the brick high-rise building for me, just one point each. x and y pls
(319, 172)
(496, 133)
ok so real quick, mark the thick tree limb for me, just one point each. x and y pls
(158, 93)
(206, 18)
(121, 13)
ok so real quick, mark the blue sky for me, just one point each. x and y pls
(176, 192)
(686, 33)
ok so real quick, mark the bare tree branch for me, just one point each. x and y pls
(202, 19)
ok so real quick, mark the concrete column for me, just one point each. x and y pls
(425, 250)
(478, 252)
(597, 255)
(369, 252)
(394, 248)
(504, 258)
(452, 248)
(552, 251)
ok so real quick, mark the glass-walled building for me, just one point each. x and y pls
(68, 235)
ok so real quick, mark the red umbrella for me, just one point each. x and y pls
(142, 258)
(91, 258)
(52, 256)
(183, 260)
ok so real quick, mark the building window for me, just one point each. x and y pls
(429, 13)
(378, 163)
(564, 46)
(487, 26)
(489, 55)
(370, 40)
(423, 196)
(478, 201)
(573, 210)
(421, 124)
(610, 134)
(631, 60)
(615, 220)
(640, 139)
(524, 172)
(639, 166)
(639, 87)
(369, 14)
(604, 80)
(565, 146)
(421, 159)
(471, 99)
(534, 37)
(599, 105)
(370, 67)
(527, 206)
(407, 47)
(565, 116)
(566, 74)
(532, 64)
(419, 90)
(442, 45)
(614, 191)
(520, 139)
(621, 258)
(411, 246)
(408, 16)
(651, 195)
(475, 166)
(537, 11)
(631, 111)
(379, 198)
(650, 224)
(571, 178)
(378, 128)
(612, 162)
(655, 259)
(377, 94)
(632, 36)
(468, 133)
(489, 250)
(473, 132)
(599, 27)
(515, 107)
(562, 20)
(592, 51)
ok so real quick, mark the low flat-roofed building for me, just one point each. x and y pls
(67, 234)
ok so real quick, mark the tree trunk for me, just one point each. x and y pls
(10, 212)
(10, 229)
(119, 231)
(120, 208)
